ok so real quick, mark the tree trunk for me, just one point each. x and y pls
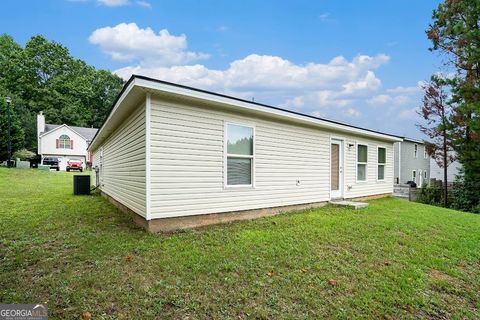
(445, 157)
(445, 170)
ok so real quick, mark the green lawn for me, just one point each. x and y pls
(78, 253)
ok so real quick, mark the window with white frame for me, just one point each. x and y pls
(425, 154)
(415, 150)
(382, 160)
(425, 174)
(414, 176)
(362, 160)
(64, 142)
(240, 154)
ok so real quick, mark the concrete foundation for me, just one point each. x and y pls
(196, 221)
(177, 223)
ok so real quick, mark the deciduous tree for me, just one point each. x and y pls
(436, 111)
(43, 76)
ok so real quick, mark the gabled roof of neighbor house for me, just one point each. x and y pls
(146, 84)
(87, 133)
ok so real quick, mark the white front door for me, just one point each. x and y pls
(336, 169)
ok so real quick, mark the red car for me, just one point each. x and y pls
(74, 164)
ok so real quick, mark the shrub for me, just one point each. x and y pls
(24, 154)
(430, 195)
(465, 195)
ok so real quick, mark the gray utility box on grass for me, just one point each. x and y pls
(81, 185)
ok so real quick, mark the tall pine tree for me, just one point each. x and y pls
(455, 32)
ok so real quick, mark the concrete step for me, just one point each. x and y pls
(353, 204)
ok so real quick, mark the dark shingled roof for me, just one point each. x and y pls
(87, 133)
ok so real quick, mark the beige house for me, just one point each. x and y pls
(182, 157)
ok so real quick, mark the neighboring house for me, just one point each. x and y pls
(412, 162)
(181, 157)
(452, 171)
(63, 142)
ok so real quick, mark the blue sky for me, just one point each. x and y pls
(355, 61)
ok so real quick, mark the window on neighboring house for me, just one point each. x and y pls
(425, 154)
(382, 160)
(414, 176)
(425, 175)
(240, 155)
(415, 150)
(362, 156)
(64, 142)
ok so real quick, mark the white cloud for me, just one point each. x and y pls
(380, 99)
(370, 82)
(116, 3)
(274, 73)
(113, 3)
(406, 90)
(351, 112)
(326, 17)
(408, 114)
(144, 4)
(128, 42)
(402, 100)
(295, 102)
(333, 88)
(335, 83)
(385, 99)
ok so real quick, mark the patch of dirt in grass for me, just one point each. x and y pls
(461, 266)
(3, 250)
(439, 275)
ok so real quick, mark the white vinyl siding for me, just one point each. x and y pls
(188, 154)
(370, 186)
(123, 163)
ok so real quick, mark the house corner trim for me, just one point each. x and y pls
(148, 115)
